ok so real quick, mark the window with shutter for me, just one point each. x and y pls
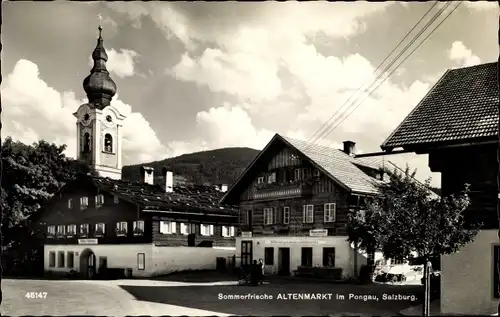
(232, 232)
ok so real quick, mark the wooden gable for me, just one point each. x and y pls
(277, 154)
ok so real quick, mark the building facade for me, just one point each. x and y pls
(99, 223)
(294, 200)
(456, 124)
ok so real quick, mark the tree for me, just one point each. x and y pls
(31, 174)
(409, 221)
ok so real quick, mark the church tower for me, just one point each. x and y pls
(98, 123)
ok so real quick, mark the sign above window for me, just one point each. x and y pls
(87, 241)
(318, 233)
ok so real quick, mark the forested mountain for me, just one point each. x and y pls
(221, 166)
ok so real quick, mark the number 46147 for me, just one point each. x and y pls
(36, 295)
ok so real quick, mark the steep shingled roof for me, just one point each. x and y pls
(196, 198)
(339, 165)
(462, 106)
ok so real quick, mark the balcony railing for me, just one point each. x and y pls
(280, 190)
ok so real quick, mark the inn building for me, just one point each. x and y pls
(294, 200)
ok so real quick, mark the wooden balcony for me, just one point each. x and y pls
(280, 191)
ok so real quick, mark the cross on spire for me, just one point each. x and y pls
(99, 16)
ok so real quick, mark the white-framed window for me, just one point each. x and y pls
(100, 229)
(84, 229)
(70, 203)
(141, 261)
(329, 210)
(306, 173)
(308, 213)
(286, 215)
(184, 229)
(121, 228)
(138, 227)
(71, 230)
(207, 230)
(61, 229)
(228, 231)
(99, 200)
(116, 200)
(271, 178)
(260, 180)
(168, 227)
(297, 174)
(84, 202)
(268, 216)
(51, 230)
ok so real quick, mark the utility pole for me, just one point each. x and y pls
(498, 160)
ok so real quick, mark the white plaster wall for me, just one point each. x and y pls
(119, 256)
(344, 254)
(467, 277)
(171, 259)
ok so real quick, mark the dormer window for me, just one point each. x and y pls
(99, 200)
(70, 203)
(84, 202)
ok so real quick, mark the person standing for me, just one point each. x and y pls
(261, 271)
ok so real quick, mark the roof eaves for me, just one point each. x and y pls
(384, 146)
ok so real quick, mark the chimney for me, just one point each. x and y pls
(147, 174)
(349, 148)
(223, 188)
(169, 180)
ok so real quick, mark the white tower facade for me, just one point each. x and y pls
(99, 139)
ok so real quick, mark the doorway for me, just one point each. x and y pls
(284, 261)
(87, 263)
(103, 264)
(246, 253)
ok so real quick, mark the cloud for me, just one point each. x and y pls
(460, 54)
(120, 63)
(230, 126)
(33, 110)
(481, 5)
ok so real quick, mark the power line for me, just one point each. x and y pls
(426, 26)
(446, 17)
(375, 71)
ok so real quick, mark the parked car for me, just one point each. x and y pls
(390, 278)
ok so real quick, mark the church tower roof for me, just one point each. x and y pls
(99, 86)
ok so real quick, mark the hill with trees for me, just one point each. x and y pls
(220, 166)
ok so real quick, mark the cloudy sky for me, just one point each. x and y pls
(198, 76)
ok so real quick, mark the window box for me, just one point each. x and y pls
(99, 233)
(60, 235)
(138, 232)
(121, 232)
(50, 236)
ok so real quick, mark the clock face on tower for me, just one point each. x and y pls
(108, 120)
(86, 118)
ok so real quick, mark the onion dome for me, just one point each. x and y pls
(100, 88)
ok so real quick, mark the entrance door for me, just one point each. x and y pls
(87, 263)
(103, 264)
(246, 253)
(284, 261)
